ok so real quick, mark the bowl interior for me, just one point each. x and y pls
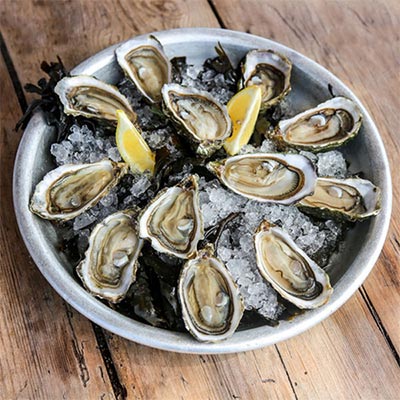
(309, 87)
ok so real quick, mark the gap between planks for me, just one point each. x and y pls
(118, 388)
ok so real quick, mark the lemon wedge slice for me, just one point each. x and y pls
(243, 109)
(133, 148)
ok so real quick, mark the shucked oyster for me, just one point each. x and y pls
(329, 125)
(204, 120)
(110, 263)
(211, 303)
(69, 190)
(173, 221)
(274, 178)
(146, 65)
(92, 98)
(289, 270)
(270, 71)
(353, 198)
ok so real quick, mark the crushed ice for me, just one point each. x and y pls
(318, 239)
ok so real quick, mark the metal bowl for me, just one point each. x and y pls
(310, 87)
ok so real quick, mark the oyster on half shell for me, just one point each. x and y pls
(204, 121)
(212, 306)
(352, 199)
(145, 63)
(172, 221)
(71, 189)
(289, 270)
(110, 263)
(270, 71)
(274, 178)
(327, 126)
(92, 98)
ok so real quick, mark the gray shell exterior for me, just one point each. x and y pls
(370, 197)
(150, 48)
(320, 275)
(41, 201)
(73, 90)
(204, 147)
(99, 238)
(237, 306)
(336, 103)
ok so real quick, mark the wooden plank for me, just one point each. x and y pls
(363, 51)
(148, 373)
(154, 374)
(343, 357)
(47, 349)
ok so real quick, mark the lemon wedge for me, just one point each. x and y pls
(243, 109)
(133, 148)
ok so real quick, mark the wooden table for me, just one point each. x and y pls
(49, 351)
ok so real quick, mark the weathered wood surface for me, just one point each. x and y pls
(49, 351)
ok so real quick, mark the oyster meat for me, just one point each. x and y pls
(110, 263)
(352, 199)
(173, 221)
(270, 71)
(91, 98)
(146, 65)
(71, 189)
(203, 119)
(329, 125)
(289, 270)
(274, 178)
(212, 306)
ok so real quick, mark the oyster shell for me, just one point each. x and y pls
(274, 178)
(89, 97)
(69, 190)
(203, 119)
(352, 199)
(270, 71)
(289, 270)
(329, 125)
(110, 263)
(212, 306)
(146, 65)
(173, 221)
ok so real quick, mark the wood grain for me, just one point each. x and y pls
(46, 348)
(363, 51)
(346, 356)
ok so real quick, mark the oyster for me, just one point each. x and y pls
(173, 221)
(110, 263)
(89, 97)
(212, 306)
(69, 190)
(329, 125)
(289, 270)
(353, 198)
(270, 71)
(274, 178)
(203, 119)
(146, 65)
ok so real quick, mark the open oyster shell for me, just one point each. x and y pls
(89, 97)
(212, 306)
(146, 65)
(110, 263)
(203, 119)
(289, 270)
(327, 126)
(352, 199)
(270, 71)
(69, 190)
(273, 178)
(173, 221)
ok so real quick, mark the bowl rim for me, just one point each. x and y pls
(163, 339)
